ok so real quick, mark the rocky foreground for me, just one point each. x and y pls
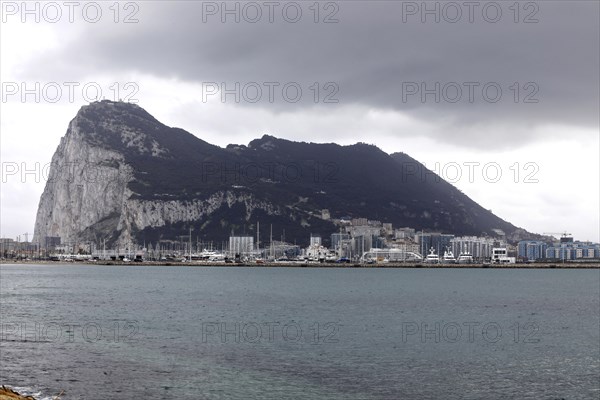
(9, 394)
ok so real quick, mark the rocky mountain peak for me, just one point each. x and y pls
(136, 179)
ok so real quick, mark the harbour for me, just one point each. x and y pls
(304, 264)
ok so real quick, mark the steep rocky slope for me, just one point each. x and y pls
(120, 175)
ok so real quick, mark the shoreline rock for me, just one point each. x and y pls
(7, 393)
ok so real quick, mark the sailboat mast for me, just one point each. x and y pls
(271, 245)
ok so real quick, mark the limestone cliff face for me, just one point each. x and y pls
(86, 184)
(87, 195)
(138, 215)
(122, 176)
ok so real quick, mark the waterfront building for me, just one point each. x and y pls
(479, 248)
(407, 246)
(362, 244)
(404, 233)
(336, 240)
(531, 250)
(7, 247)
(315, 240)
(344, 249)
(242, 245)
(438, 241)
(500, 256)
(391, 255)
(573, 250)
(278, 250)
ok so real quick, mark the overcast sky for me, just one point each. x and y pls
(449, 83)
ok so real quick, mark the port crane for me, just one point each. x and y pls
(564, 234)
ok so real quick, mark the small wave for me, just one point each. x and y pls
(38, 395)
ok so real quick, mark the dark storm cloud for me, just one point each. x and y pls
(373, 56)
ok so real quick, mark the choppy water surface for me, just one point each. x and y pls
(100, 332)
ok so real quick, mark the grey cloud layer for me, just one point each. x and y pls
(370, 53)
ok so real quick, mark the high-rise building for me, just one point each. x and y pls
(337, 239)
(438, 241)
(404, 233)
(362, 244)
(573, 250)
(387, 228)
(531, 250)
(364, 230)
(7, 247)
(241, 245)
(479, 248)
(315, 240)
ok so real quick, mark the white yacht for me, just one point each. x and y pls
(449, 257)
(209, 255)
(465, 256)
(432, 258)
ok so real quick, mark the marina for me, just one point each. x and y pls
(260, 263)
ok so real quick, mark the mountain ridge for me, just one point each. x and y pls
(169, 180)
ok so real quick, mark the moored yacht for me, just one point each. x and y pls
(432, 258)
(465, 257)
(209, 255)
(449, 257)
